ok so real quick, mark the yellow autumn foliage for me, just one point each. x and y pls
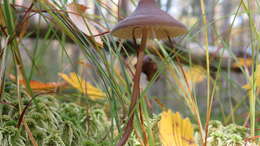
(174, 130)
(257, 79)
(241, 62)
(39, 86)
(188, 78)
(195, 74)
(83, 86)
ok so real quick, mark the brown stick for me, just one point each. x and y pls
(30, 135)
(142, 126)
(136, 89)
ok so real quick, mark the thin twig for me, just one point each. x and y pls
(27, 129)
(142, 125)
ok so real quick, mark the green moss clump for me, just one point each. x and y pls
(220, 135)
(52, 123)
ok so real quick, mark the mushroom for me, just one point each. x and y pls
(147, 22)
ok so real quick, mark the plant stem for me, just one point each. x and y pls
(252, 92)
(209, 98)
(136, 89)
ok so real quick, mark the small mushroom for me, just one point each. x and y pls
(148, 21)
(147, 15)
(149, 68)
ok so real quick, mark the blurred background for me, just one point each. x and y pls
(229, 38)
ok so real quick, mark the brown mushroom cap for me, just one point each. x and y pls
(160, 25)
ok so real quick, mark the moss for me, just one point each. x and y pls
(52, 123)
(226, 135)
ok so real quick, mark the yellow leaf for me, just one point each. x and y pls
(195, 74)
(175, 131)
(257, 79)
(246, 86)
(241, 62)
(84, 87)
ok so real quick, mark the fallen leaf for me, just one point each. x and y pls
(257, 79)
(195, 74)
(174, 130)
(40, 86)
(90, 28)
(84, 87)
(242, 62)
(88, 65)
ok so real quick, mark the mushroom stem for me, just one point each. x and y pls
(137, 76)
(136, 88)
